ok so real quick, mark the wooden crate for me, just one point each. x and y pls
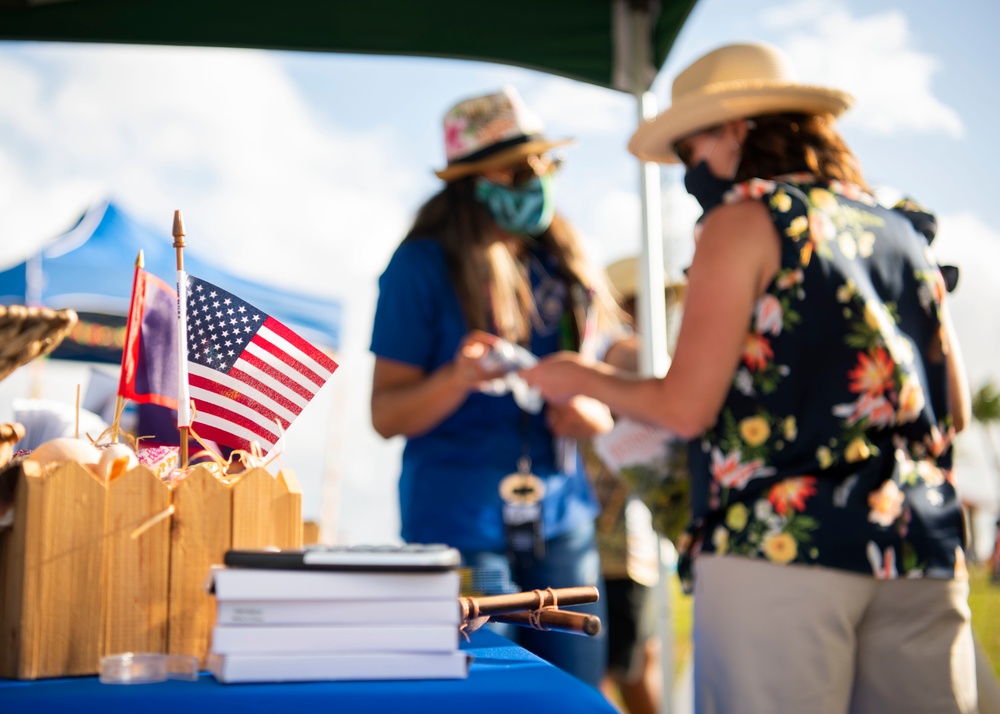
(83, 573)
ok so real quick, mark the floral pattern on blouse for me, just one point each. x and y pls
(833, 447)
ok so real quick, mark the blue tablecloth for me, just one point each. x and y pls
(503, 679)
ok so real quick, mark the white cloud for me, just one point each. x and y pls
(615, 223)
(874, 57)
(680, 212)
(222, 135)
(614, 227)
(966, 241)
(570, 108)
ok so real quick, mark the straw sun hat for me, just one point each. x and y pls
(489, 132)
(624, 277)
(733, 82)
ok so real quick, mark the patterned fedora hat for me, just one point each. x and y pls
(491, 131)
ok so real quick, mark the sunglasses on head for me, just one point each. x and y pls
(528, 170)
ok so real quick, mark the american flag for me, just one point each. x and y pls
(246, 371)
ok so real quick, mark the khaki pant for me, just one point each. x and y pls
(772, 639)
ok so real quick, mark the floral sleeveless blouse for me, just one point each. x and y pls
(833, 447)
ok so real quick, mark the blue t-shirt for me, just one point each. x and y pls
(448, 487)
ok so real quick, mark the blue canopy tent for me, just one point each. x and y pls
(90, 270)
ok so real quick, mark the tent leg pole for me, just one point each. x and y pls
(652, 312)
(653, 361)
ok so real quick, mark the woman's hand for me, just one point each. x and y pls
(466, 366)
(579, 418)
(557, 376)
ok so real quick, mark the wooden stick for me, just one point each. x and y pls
(140, 262)
(554, 620)
(473, 607)
(178, 232)
(165, 513)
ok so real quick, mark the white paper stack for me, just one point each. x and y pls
(288, 625)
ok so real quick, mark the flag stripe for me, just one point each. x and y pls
(270, 369)
(223, 436)
(273, 373)
(239, 382)
(250, 408)
(214, 414)
(267, 387)
(283, 357)
(323, 361)
(286, 352)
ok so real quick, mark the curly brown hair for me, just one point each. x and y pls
(786, 143)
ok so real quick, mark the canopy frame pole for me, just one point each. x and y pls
(651, 310)
(651, 307)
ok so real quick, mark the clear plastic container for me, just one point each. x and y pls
(146, 668)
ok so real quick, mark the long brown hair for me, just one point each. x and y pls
(787, 143)
(492, 283)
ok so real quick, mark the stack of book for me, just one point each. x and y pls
(285, 620)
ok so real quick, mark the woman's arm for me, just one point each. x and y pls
(737, 256)
(959, 397)
(624, 354)
(408, 401)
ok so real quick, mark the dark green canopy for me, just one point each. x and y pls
(612, 43)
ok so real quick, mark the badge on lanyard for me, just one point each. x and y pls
(522, 494)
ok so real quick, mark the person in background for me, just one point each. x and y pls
(486, 468)
(629, 545)
(819, 379)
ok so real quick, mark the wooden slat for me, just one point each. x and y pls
(200, 534)
(52, 574)
(72, 551)
(13, 554)
(310, 532)
(137, 570)
(265, 512)
(292, 507)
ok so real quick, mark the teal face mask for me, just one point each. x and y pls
(526, 210)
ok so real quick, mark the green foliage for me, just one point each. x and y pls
(665, 488)
(984, 600)
(986, 404)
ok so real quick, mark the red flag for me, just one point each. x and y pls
(247, 372)
(149, 362)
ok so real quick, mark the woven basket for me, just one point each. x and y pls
(30, 332)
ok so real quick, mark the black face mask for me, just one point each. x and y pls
(708, 189)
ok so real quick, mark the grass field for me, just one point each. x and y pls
(984, 600)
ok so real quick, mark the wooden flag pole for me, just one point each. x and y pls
(140, 263)
(178, 232)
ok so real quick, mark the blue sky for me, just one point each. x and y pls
(304, 169)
